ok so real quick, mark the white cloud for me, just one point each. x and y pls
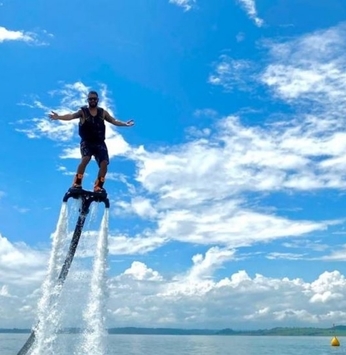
(64, 171)
(185, 4)
(311, 67)
(336, 255)
(317, 245)
(143, 207)
(305, 70)
(229, 225)
(4, 291)
(53, 130)
(286, 256)
(42, 127)
(118, 243)
(196, 187)
(199, 278)
(140, 272)
(28, 37)
(140, 295)
(73, 97)
(122, 244)
(250, 8)
(232, 74)
(8, 35)
(328, 287)
(20, 264)
(257, 301)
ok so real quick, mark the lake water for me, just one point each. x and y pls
(192, 345)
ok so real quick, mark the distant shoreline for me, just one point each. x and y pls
(339, 330)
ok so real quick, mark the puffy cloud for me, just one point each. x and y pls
(237, 301)
(139, 271)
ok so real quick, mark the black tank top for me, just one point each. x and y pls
(92, 128)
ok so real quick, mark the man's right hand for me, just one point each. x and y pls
(53, 116)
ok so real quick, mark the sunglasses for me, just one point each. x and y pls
(92, 98)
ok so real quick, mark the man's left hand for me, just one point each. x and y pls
(130, 123)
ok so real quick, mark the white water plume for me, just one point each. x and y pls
(48, 315)
(93, 212)
(95, 336)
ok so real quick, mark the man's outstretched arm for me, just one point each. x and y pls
(117, 122)
(67, 117)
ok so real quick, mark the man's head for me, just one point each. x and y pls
(93, 99)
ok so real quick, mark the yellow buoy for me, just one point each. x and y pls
(335, 342)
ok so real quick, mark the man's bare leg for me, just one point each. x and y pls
(77, 182)
(101, 175)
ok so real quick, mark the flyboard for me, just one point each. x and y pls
(87, 198)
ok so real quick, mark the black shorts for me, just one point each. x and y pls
(98, 150)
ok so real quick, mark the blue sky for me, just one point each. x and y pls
(227, 196)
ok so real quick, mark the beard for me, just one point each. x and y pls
(93, 104)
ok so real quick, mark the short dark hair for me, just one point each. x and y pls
(93, 93)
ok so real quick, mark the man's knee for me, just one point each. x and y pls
(104, 164)
(85, 160)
